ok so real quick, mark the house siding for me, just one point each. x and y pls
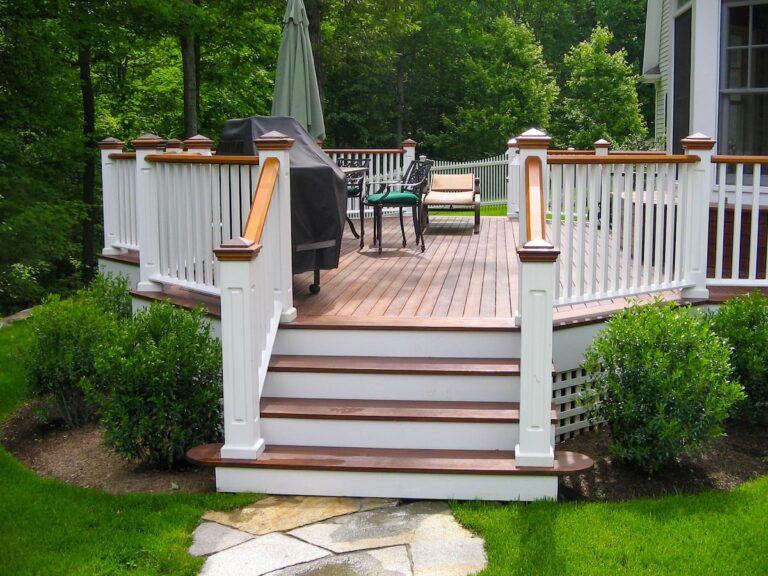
(665, 59)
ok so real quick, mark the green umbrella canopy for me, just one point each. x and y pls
(296, 93)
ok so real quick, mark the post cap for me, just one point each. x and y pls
(111, 144)
(198, 142)
(512, 143)
(534, 138)
(602, 143)
(148, 141)
(698, 141)
(174, 146)
(274, 141)
(237, 249)
(409, 143)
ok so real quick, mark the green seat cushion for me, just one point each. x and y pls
(394, 197)
(353, 190)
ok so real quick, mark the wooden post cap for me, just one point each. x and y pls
(174, 145)
(237, 250)
(602, 143)
(148, 141)
(198, 142)
(408, 143)
(274, 141)
(698, 141)
(534, 138)
(111, 144)
(512, 143)
(538, 250)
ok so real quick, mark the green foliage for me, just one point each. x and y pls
(164, 376)
(509, 89)
(599, 97)
(660, 380)
(60, 362)
(743, 323)
(111, 294)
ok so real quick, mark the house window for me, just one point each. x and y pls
(744, 78)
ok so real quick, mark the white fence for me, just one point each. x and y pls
(491, 171)
(740, 221)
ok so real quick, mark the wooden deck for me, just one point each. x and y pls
(461, 278)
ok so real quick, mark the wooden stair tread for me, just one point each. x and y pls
(393, 410)
(390, 460)
(386, 365)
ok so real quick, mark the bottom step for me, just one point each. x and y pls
(438, 474)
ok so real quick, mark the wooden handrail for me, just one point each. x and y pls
(201, 159)
(534, 198)
(122, 156)
(570, 152)
(723, 159)
(625, 159)
(257, 217)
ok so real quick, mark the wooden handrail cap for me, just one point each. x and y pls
(533, 138)
(698, 141)
(408, 143)
(111, 143)
(273, 141)
(198, 142)
(148, 141)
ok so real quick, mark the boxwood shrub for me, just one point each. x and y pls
(743, 322)
(660, 379)
(163, 372)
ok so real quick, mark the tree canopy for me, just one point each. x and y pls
(459, 77)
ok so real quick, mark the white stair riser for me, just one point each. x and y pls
(390, 434)
(398, 343)
(428, 387)
(387, 484)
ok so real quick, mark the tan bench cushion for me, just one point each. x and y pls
(452, 182)
(434, 198)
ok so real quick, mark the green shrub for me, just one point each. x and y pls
(60, 361)
(660, 380)
(164, 375)
(743, 322)
(110, 293)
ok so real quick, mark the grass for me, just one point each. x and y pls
(492, 210)
(711, 533)
(49, 527)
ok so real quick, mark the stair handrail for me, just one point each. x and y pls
(256, 296)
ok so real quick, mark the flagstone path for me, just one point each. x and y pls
(313, 536)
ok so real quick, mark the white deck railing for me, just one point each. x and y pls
(739, 216)
(491, 171)
(202, 201)
(119, 197)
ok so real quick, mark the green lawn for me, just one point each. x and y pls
(48, 527)
(492, 210)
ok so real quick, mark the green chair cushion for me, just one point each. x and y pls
(353, 190)
(394, 197)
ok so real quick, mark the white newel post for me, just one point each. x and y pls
(110, 202)
(697, 194)
(147, 210)
(513, 180)
(601, 147)
(199, 145)
(409, 153)
(277, 145)
(242, 426)
(537, 270)
(531, 143)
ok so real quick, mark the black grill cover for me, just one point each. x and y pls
(318, 192)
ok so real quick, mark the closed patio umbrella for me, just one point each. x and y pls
(296, 93)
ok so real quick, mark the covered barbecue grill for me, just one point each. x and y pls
(318, 192)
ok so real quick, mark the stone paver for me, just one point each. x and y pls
(374, 529)
(376, 537)
(391, 561)
(281, 513)
(260, 556)
(210, 538)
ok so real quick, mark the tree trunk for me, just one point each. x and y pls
(400, 89)
(89, 167)
(315, 15)
(191, 93)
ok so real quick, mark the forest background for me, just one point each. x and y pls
(460, 77)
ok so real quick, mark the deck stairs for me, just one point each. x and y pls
(418, 409)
